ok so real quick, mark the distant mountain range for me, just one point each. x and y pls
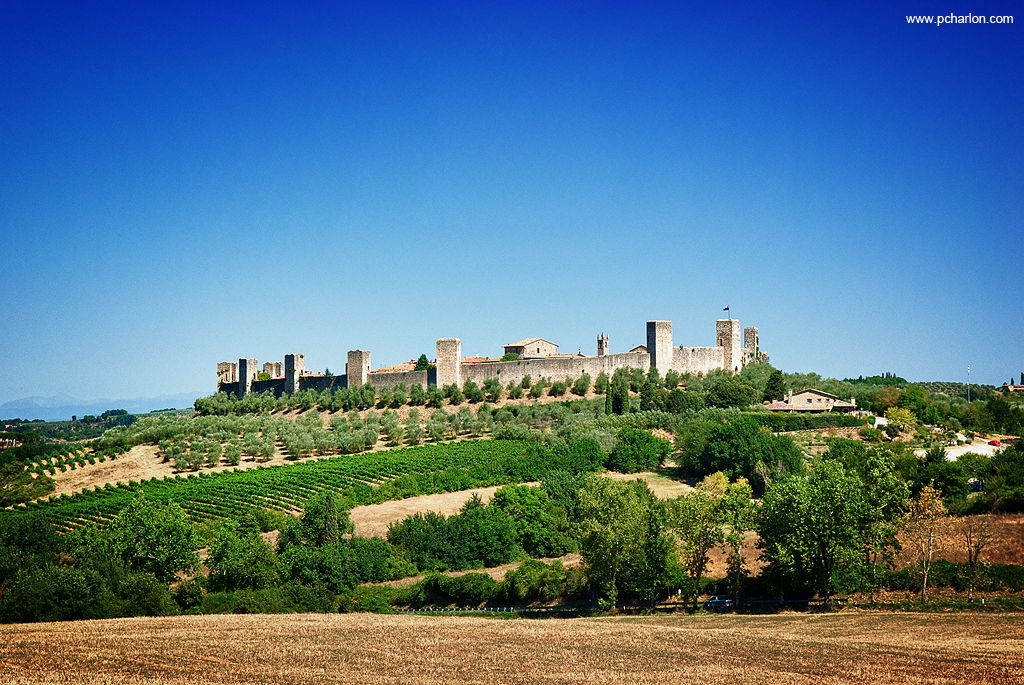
(62, 407)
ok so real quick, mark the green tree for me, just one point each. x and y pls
(155, 538)
(510, 357)
(637, 450)
(739, 514)
(775, 389)
(811, 525)
(914, 398)
(740, 447)
(622, 539)
(492, 389)
(923, 526)
(730, 391)
(695, 523)
(423, 364)
(241, 560)
(541, 527)
(900, 418)
(617, 399)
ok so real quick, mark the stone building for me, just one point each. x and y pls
(532, 348)
(274, 369)
(812, 401)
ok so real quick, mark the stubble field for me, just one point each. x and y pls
(316, 648)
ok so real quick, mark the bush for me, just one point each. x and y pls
(374, 599)
(740, 447)
(637, 450)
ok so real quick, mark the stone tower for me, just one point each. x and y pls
(727, 336)
(247, 372)
(449, 362)
(227, 372)
(659, 345)
(602, 345)
(294, 369)
(751, 345)
(357, 370)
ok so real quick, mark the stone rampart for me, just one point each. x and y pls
(727, 354)
(558, 368)
(393, 378)
(697, 359)
(321, 383)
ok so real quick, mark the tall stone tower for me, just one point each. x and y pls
(227, 372)
(659, 345)
(294, 369)
(602, 345)
(727, 336)
(357, 370)
(449, 362)
(247, 372)
(751, 345)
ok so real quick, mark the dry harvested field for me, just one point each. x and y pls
(374, 519)
(365, 648)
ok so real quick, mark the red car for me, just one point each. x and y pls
(994, 443)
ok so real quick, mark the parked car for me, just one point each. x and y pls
(994, 443)
(719, 602)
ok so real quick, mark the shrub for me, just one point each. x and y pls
(637, 450)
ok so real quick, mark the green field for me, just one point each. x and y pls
(360, 478)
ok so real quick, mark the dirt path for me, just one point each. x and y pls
(496, 572)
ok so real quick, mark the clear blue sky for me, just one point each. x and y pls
(189, 184)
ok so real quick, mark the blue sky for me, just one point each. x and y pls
(183, 185)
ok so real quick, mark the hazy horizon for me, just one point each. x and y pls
(186, 185)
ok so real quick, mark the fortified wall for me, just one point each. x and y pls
(240, 378)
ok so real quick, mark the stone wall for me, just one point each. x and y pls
(558, 368)
(392, 378)
(321, 383)
(273, 369)
(275, 385)
(697, 359)
(728, 354)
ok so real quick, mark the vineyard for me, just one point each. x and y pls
(71, 457)
(360, 479)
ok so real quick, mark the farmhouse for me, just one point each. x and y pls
(532, 348)
(812, 400)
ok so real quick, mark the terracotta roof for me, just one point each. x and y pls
(479, 360)
(817, 392)
(639, 348)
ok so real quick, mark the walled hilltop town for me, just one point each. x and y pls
(537, 358)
